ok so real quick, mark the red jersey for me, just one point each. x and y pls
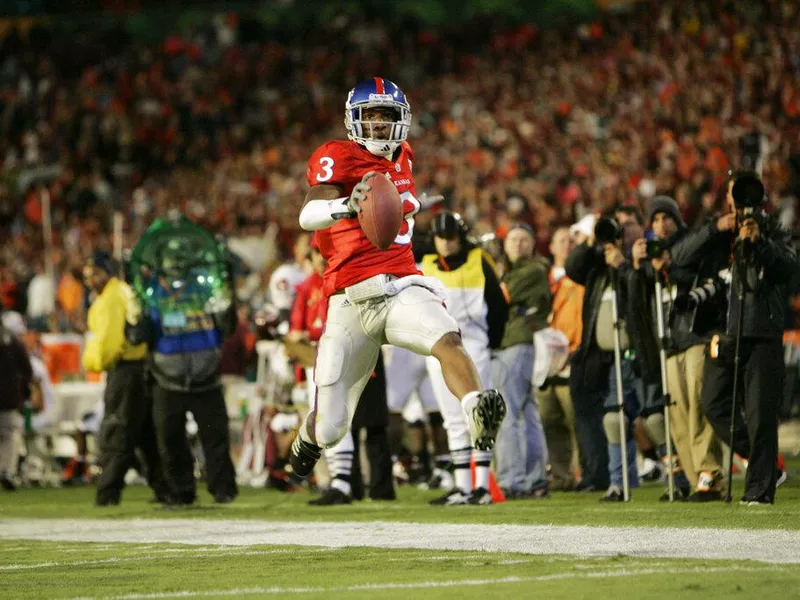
(310, 308)
(351, 256)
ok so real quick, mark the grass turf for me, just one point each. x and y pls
(412, 505)
(34, 569)
(71, 570)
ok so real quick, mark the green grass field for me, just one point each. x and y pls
(560, 509)
(52, 562)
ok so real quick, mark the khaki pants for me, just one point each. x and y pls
(558, 421)
(698, 448)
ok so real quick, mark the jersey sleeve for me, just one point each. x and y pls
(331, 164)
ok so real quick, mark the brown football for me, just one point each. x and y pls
(382, 212)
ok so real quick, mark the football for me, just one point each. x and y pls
(382, 212)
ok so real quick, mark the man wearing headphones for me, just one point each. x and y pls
(521, 447)
(476, 301)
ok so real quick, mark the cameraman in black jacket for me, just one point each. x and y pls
(595, 264)
(763, 263)
(688, 327)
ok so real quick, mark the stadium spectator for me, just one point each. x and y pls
(607, 120)
(553, 397)
(521, 446)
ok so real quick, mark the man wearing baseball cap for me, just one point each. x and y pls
(127, 421)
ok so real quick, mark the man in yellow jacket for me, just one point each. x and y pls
(127, 422)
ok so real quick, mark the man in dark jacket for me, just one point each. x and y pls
(527, 286)
(16, 375)
(597, 268)
(185, 329)
(687, 328)
(763, 263)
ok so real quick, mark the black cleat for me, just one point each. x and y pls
(331, 497)
(705, 496)
(484, 422)
(303, 457)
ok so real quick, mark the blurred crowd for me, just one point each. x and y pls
(510, 124)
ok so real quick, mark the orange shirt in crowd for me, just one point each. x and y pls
(69, 293)
(567, 308)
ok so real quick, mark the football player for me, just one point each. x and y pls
(376, 296)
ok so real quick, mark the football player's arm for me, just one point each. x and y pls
(324, 205)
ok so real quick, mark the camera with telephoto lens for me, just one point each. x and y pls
(607, 231)
(699, 295)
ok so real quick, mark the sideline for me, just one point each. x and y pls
(770, 546)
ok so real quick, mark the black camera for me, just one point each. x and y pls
(748, 192)
(655, 248)
(607, 231)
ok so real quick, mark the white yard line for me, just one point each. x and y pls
(435, 584)
(774, 546)
(154, 556)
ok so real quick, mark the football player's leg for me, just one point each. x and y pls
(458, 438)
(346, 357)
(418, 320)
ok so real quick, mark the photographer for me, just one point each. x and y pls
(763, 263)
(687, 328)
(596, 267)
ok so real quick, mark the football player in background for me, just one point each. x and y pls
(476, 302)
(284, 280)
(376, 296)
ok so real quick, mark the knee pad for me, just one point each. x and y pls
(334, 353)
(654, 424)
(611, 427)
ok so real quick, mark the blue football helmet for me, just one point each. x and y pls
(377, 93)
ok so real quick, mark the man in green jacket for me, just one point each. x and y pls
(521, 451)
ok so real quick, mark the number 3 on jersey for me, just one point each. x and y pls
(411, 207)
(326, 164)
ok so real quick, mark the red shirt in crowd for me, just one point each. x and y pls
(310, 308)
